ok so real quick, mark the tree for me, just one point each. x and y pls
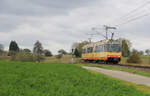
(62, 51)
(38, 51)
(27, 50)
(13, 48)
(78, 47)
(147, 51)
(134, 51)
(76, 53)
(1, 49)
(141, 52)
(47, 53)
(59, 56)
(126, 44)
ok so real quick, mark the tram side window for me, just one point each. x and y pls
(96, 49)
(84, 51)
(105, 48)
(99, 48)
(90, 49)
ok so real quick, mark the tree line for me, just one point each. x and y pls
(18, 54)
(38, 53)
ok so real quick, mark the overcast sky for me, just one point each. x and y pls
(59, 23)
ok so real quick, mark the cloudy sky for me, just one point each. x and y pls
(59, 23)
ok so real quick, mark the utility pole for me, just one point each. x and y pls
(107, 28)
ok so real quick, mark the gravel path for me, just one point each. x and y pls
(122, 75)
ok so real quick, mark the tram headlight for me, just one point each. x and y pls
(109, 56)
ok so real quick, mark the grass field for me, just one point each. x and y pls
(58, 79)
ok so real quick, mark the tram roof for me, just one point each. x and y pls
(99, 43)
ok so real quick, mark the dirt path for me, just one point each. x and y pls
(122, 75)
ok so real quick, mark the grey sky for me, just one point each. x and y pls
(59, 23)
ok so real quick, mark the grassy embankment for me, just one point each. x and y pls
(59, 79)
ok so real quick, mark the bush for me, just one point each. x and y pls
(24, 57)
(59, 56)
(39, 58)
(134, 58)
(12, 53)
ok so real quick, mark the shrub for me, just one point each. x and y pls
(59, 56)
(134, 58)
(39, 58)
(24, 57)
(12, 53)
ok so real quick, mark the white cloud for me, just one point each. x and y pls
(68, 24)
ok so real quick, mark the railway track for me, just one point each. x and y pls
(137, 67)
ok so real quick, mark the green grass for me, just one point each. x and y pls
(119, 69)
(58, 79)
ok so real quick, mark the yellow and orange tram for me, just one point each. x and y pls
(108, 51)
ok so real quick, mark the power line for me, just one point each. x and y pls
(98, 32)
(130, 12)
(129, 16)
(133, 19)
(135, 10)
(106, 31)
(91, 36)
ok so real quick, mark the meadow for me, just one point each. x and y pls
(58, 79)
